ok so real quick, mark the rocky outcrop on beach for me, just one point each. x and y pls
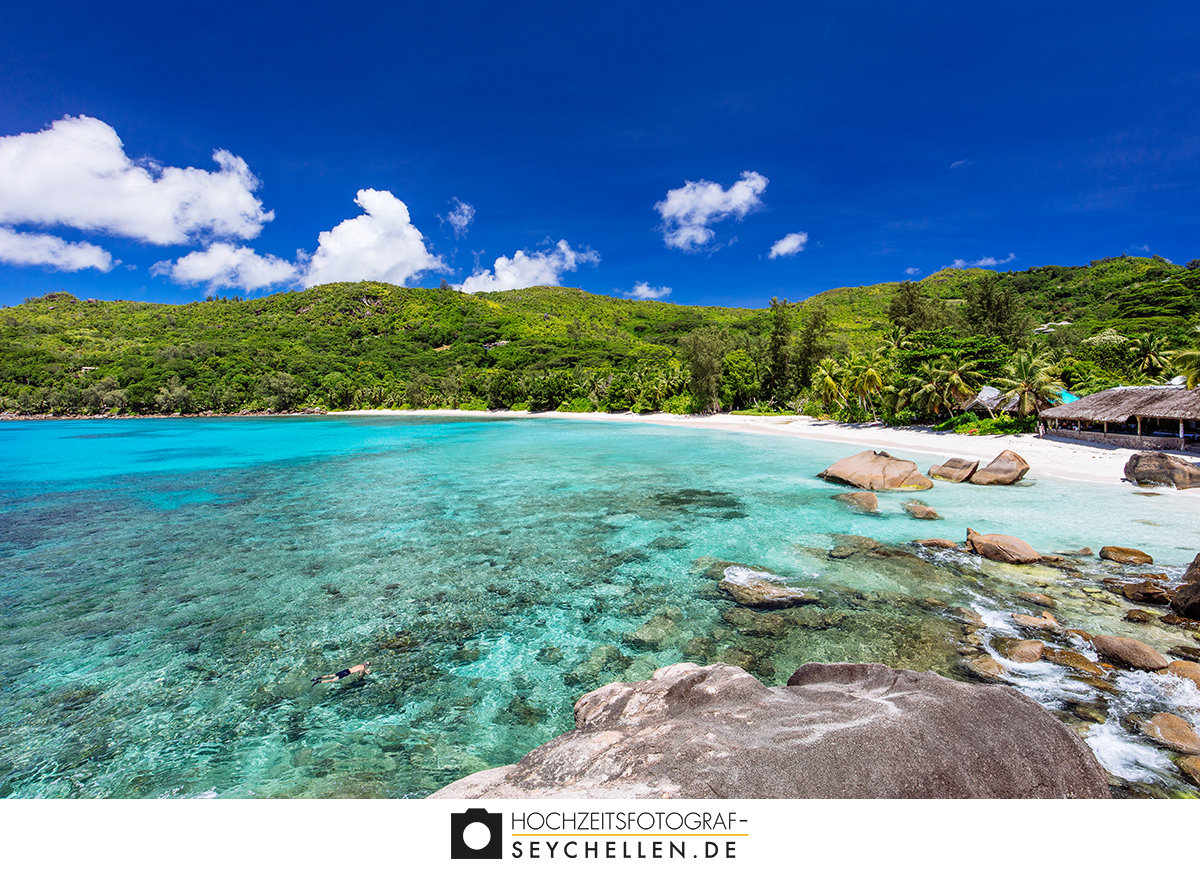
(1002, 548)
(955, 470)
(876, 470)
(1154, 467)
(835, 731)
(1008, 468)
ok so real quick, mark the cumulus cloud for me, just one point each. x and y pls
(688, 211)
(526, 269)
(912, 270)
(381, 245)
(39, 249)
(642, 290)
(75, 173)
(983, 262)
(789, 246)
(224, 266)
(459, 218)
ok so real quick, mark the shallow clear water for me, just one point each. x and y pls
(168, 588)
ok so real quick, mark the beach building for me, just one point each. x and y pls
(1163, 417)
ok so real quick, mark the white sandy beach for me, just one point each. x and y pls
(1058, 458)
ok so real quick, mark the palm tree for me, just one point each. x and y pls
(827, 382)
(1150, 353)
(1188, 364)
(1032, 381)
(960, 377)
(866, 373)
(927, 390)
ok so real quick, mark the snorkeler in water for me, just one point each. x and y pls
(363, 668)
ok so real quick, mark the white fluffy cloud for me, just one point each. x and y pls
(460, 217)
(224, 266)
(789, 246)
(642, 290)
(530, 270)
(75, 173)
(913, 270)
(688, 211)
(39, 249)
(381, 245)
(981, 263)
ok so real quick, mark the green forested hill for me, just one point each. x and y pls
(369, 344)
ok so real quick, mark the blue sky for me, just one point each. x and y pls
(701, 153)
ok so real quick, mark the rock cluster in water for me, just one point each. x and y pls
(835, 731)
(1154, 467)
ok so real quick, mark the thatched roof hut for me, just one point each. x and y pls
(1133, 415)
(1121, 404)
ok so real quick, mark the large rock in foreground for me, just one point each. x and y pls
(836, 731)
(1008, 468)
(876, 470)
(1152, 467)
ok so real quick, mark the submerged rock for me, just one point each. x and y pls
(1146, 591)
(756, 591)
(657, 632)
(1002, 548)
(940, 543)
(1127, 556)
(1038, 599)
(863, 500)
(876, 470)
(1129, 652)
(1154, 467)
(920, 510)
(1008, 468)
(1045, 623)
(1072, 659)
(836, 731)
(955, 470)
(1190, 766)
(1020, 650)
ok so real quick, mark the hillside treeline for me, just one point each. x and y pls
(900, 352)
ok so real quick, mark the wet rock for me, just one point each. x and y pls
(1185, 601)
(1083, 551)
(1002, 548)
(657, 632)
(1185, 669)
(1008, 468)
(1146, 591)
(1087, 711)
(1137, 616)
(920, 510)
(861, 500)
(848, 545)
(695, 732)
(955, 470)
(1072, 659)
(1176, 620)
(968, 617)
(1127, 556)
(1038, 599)
(1096, 683)
(876, 470)
(1019, 650)
(1045, 623)
(759, 592)
(1192, 654)
(1172, 732)
(1154, 467)
(1128, 652)
(985, 668)
(1190, 766)
(940, 543)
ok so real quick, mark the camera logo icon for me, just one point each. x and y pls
(476, 834)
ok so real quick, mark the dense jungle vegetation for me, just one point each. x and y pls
(901, 352)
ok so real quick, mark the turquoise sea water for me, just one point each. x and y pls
(169, 588)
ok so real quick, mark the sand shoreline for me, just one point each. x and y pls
(1059, 458)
